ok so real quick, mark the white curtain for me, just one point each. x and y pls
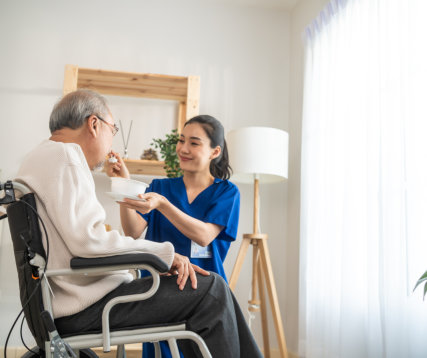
(364, 181)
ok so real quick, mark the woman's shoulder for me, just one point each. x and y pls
(226, 186)
(165, 182)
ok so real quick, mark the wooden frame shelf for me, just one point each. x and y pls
(185, 90)
(145, 167)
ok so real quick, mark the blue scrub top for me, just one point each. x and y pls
(217, 204)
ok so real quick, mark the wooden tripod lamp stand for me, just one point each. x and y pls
(259, 154)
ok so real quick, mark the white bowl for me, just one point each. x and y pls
(127, 187)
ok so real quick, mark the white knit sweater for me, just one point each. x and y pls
(65, 191)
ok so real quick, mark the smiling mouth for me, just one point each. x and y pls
(184, 159)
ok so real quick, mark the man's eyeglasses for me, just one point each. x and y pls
(114, 128)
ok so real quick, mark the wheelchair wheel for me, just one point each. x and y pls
(38, 353)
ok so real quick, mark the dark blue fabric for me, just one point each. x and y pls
(217, 204)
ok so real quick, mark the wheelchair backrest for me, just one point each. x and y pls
(27, 239)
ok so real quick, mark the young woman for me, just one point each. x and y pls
(198, 212)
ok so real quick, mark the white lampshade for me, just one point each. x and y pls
(258, 150)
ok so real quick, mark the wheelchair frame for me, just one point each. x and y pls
(108, 337)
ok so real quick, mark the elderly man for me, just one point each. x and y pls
(58, 171)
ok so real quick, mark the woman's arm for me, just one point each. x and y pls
(196, 230)
(132, 223)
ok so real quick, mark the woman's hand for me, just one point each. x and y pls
(116, 169)
(182, 267)
(152, 201)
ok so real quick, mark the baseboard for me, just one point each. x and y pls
(132, 351)
(13, 352)
(275, 353)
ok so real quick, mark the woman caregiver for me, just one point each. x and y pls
(198, 212)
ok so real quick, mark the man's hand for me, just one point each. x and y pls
(118, 168)
(182, 266)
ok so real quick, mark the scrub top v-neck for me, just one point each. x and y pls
(218, 204)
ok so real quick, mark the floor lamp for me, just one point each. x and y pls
(259, 154)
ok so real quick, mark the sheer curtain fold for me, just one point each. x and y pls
(364, 180)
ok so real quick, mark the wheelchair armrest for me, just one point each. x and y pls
(128, 259)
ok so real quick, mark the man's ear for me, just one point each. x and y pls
(216, 152)
(93, 125)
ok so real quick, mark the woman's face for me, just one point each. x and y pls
(194, 149)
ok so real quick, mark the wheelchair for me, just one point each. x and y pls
(36, 300)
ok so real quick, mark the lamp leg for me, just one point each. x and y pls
(254, 302)
(272, 293)
(264, 273)
(264, 320)
(239, 262)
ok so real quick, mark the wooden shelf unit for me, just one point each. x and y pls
(145, 167)
(185, 90)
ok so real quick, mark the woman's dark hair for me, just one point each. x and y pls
(219, 167)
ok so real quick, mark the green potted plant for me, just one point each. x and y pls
(168, 153)
(422, 279)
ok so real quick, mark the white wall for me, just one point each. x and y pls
(242, 55)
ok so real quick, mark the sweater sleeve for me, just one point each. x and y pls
(79, 218)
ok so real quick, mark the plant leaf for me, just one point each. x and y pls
(421, 280)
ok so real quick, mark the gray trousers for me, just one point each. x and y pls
(211, 311)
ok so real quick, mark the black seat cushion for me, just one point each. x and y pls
(128, 259)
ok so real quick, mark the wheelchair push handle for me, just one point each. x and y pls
(9, 193)
(9, 196)
(9, 188)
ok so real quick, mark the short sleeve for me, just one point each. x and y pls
(224, 210)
